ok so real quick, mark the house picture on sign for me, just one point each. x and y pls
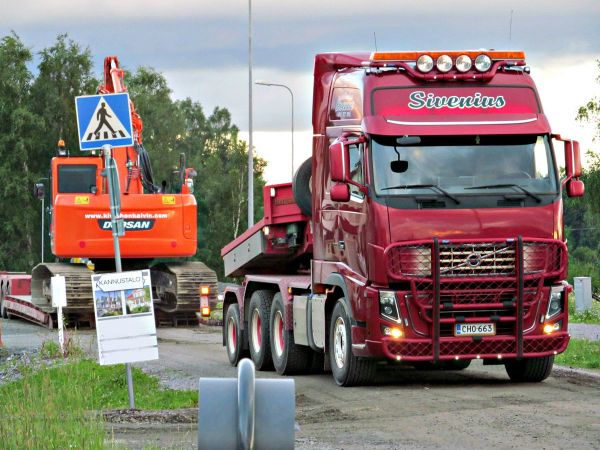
(104, 124)
(108, 304)
(138, 300)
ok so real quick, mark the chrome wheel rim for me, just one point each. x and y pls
(256, 336)
(339, 342)
(231, 335)
(278, 334)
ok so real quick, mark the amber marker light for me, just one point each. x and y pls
(204, 290)
(205, 312)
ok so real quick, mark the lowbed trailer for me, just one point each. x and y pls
(426, 229)
(16, 300)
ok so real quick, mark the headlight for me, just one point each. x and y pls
(483, 63)
(444, 63)
(463, 63)
(415, 261)
(425, 63)
(388, 307)
(555, 303)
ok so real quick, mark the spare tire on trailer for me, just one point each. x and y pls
(301, 187)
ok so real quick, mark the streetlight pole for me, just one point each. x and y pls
(250, 150)
(264, 83)
(39, 190)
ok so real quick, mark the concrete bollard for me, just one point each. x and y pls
(583, 293)
(246, 413)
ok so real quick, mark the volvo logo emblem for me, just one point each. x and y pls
(474, 260)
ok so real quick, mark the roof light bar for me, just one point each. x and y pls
(495, 55)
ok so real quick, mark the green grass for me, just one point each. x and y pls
(581, 353)
(50, 407)
(588, 316)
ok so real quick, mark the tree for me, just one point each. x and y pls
(18, 129)
(65, 71)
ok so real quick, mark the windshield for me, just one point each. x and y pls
(460, 165)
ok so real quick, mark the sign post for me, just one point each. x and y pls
(104, 121)
(58, 287)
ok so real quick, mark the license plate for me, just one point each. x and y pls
(475, 329)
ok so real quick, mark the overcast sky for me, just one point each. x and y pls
(202, 49)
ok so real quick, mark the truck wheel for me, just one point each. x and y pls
(288, 358)
(530, 370)
(233, 335)
(347, 369)
(258, 329)
(301, 187)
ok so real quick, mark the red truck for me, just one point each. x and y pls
(426, 229)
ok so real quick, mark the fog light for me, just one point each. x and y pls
(444, 63)
(463, 63)
(425, 63)
(394, 332)
(483, 63)
(550, 328)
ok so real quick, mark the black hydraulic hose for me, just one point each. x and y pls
(146, 170)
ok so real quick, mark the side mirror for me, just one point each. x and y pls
(575, 188)
(572, 159)
(340, 192)
(39, 190)
(339, 161)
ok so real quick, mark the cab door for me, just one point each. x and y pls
(352, 216)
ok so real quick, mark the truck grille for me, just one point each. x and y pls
(464, 259)
(492, 259)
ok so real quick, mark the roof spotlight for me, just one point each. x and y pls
(483, 63)
(463, 63)
(444, 63)
(425, 63)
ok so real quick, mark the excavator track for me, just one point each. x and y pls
(176, 290)
(176, 287)
(80, 306)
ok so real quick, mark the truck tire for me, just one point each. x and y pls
(288, 358)
(233, 335)
(529, 370)
(259, 313)
(347, 369)
(301, 187)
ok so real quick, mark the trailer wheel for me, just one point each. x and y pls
(233, 335)
(288, 358)
(529, 370)
(258, 329)
(301, 187)
(347, 369)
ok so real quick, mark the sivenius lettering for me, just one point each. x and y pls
(420, 99)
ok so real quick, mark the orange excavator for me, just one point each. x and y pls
(159, 222)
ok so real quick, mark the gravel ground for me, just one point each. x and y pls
(474, 408)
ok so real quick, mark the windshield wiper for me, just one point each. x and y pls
(507, 185)
(434, 187)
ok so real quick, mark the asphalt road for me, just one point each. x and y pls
(475, 408)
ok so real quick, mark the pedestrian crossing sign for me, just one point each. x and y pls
(103, 119)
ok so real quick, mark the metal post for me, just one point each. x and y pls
(436, 299)
(115, 213)
(42, 229)
(250, 149)
(520, 291)
(264, 83)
